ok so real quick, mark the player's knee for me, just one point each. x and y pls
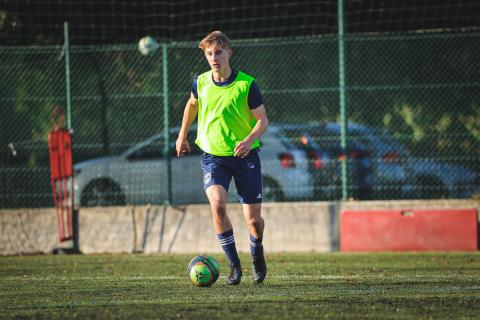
(255, 221)
(219, 210)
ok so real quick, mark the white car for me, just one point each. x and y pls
(138, 175)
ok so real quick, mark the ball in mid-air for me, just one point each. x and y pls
(203, 271)
(147, 45)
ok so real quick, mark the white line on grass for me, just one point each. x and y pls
(275, 276)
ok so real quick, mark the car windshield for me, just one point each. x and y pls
(152, 148)
(294, 138)
(313, 137)
(388, 140)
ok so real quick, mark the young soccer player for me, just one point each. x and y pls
(231, 119)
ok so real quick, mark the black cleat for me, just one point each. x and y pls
(235, 275)
(259, 268)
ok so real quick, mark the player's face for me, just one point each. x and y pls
(218, 58)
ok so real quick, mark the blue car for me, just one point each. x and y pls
(378, 166)
(441, 179)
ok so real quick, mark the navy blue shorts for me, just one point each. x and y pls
(246, 172)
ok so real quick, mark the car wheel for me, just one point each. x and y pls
(102, 193)
(271, 190)
(431, 188)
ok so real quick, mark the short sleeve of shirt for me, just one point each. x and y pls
(194, 87)
(255, 99)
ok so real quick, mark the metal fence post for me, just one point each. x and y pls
(166, 126)
(66, 50)
(342, 101)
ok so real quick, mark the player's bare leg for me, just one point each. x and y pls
(256, 225)
(217, 196)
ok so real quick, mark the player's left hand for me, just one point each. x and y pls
(242, 149)
(182, 147)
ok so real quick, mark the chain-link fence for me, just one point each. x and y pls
(412, 108)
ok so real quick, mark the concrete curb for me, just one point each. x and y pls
(292, 226)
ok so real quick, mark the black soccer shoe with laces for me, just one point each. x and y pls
(235, 274)
(259, 268)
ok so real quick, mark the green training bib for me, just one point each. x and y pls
(224, 118)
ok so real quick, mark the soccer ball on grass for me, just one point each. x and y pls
(147, 45)
(203, 271)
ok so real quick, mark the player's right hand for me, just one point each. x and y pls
(182, 147)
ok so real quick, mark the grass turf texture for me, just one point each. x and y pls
(299, 286)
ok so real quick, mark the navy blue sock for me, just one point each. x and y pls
(227, 241)
(256, 246)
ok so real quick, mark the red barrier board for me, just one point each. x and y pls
(61, 179)
(409, 230)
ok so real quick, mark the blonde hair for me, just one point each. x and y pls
(215, 38)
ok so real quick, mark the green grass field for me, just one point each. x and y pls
(299, 286)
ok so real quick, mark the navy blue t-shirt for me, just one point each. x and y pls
(254, 96)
